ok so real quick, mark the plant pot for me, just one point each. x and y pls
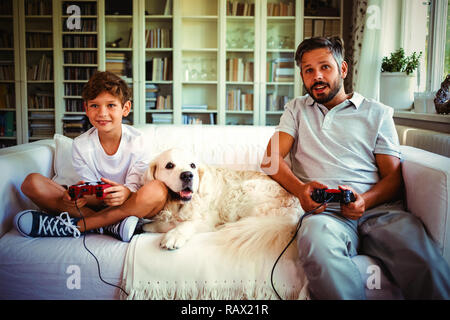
(397, 90)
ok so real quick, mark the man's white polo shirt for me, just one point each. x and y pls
(338, 146)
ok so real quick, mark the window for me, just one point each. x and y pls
(447, 43)
(426, 29)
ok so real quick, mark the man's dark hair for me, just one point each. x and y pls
(334, 44)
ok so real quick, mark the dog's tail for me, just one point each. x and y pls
(256, 236)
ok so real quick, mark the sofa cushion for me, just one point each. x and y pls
(46, 268)
(64, 172)
(427, 175)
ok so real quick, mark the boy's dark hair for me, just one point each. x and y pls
(102, 81)
(334, 44)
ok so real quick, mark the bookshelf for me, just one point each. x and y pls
(158, 53)
(200, 56)
(116, 43)
(76, 59)
(227, 62)
(285, 24)
(38, 87)
(10, 128)
(242, 58)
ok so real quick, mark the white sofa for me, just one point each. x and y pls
(42, 268)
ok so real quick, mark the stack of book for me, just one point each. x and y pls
(158, 38)
(79, 41)
(6, 65)
(41, 100)
(73, 89)
(158, 69)
(116, 62)
(38, 7)
(74, 125)
(77, 57)
(88, 8)
(194, 107)
(280, 70)
(74, 105)
(164, 102)
(5, 39)
(280, 9)
(78, 73)
(275, 102)
(7, 124)
(151, 93)
(239, 70)
(41, 124)
(322, 28)
(6, 97)
(235, 8)
(238, 101)
(39, 39)
(162, 118)
(41, 71)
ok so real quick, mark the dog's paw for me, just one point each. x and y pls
(173, 240)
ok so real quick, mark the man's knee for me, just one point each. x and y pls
(321, 238)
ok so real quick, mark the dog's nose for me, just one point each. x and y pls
(186, 176)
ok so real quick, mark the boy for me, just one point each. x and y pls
(111, 152)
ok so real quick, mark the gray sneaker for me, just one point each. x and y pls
(122, 230)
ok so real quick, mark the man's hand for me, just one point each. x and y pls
(353, 210)
(115, 195)
(304, 195)
(80, 202)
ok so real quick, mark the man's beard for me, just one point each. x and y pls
(334, 89)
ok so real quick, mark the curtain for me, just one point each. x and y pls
(377, 33)
(355, 45)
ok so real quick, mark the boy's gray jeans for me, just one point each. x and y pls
(398, 239)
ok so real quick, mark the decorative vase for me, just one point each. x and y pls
(397, 90)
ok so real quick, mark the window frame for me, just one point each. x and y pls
(436, 46)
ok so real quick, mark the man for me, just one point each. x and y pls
(347, 141)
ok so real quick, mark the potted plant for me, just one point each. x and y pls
(397, 79)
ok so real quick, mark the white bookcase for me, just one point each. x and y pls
(215, 61)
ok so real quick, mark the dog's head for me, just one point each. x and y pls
(179, 171)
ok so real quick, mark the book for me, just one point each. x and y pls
(319, 26)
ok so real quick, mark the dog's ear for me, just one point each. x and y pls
(202, 178)
(149, 174)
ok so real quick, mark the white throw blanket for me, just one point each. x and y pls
(200, 270)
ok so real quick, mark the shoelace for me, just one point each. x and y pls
(112, 229)
(52, 225)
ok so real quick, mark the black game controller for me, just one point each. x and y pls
(333, 195)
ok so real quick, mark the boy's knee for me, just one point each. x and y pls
(153, 194)
(29, 184)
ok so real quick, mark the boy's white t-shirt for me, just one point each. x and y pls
(125, 167)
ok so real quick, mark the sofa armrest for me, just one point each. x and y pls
(427, 184)
(16, 163)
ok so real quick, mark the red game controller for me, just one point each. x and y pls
(78, 190)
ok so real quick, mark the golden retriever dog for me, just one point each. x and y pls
(247, 207)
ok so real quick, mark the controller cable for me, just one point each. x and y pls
(93, 255)
(299, 224)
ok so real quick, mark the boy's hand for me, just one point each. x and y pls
(81, 201)
(115, 195)
(304, 195)
(353, 210)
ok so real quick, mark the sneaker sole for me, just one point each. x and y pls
(129, 236)
(16, 222)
